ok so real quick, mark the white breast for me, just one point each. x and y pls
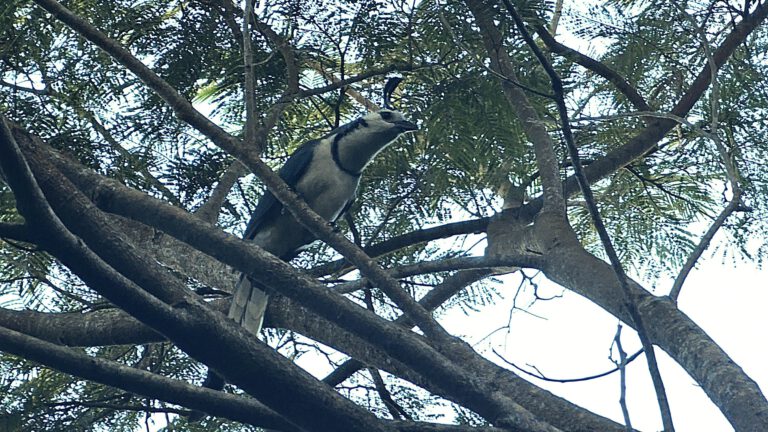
(325, 187)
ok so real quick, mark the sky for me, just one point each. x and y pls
(570, 337)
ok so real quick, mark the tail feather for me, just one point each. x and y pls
(249, 303)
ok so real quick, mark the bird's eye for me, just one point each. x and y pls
(386, 115)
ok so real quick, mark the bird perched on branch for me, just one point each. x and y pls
(325, 172)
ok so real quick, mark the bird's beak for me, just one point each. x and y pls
(406, 126)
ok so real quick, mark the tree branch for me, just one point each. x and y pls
(595, 66)
(297, 207)
(543, 147)
(449, 264)
(473, 226)
(141, 382)
(209, 211)
(586, 190)
(13, 231)
(279, 276)
(690, 262)
(647, 139)
(206, 335)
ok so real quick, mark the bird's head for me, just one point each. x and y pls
(387, 120)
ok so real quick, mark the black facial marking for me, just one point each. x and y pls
(386, 115)
(363, 123)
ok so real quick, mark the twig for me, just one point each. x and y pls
(249, 86)
(586, 190)
(541, 376)
(395, 410)
(448, 264)
(38, 92)
(595, 66)
(622, 366)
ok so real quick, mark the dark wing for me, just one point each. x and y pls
(269, 207)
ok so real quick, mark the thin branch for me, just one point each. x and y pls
(32, 90)
(209, 211)
(104, 132)
(595, 66)
(539, 375)
(509, 79)
(586, 190)
(395, 410)
(337, 83)
(732, 172)
(354, 94)
(472, 226)
(249, 90)
(690, 262)
(556, 17)
(449, 264)
(649, 137)
(622, 366)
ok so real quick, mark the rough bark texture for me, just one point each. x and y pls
(138, 252)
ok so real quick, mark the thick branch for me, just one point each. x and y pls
(275, 274)
(533, 125)
(726, 384)
(206, 335)
(586, 190)
(12, 231)
(647, 139)
(141, 382)
(298, 208)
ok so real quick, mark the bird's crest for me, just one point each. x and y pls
(389, 88)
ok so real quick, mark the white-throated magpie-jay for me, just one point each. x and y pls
(325, 172)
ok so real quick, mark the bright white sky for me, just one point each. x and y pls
(574, 338)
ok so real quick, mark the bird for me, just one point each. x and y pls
(325, 172)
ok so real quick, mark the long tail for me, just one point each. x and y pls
(248, 305)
